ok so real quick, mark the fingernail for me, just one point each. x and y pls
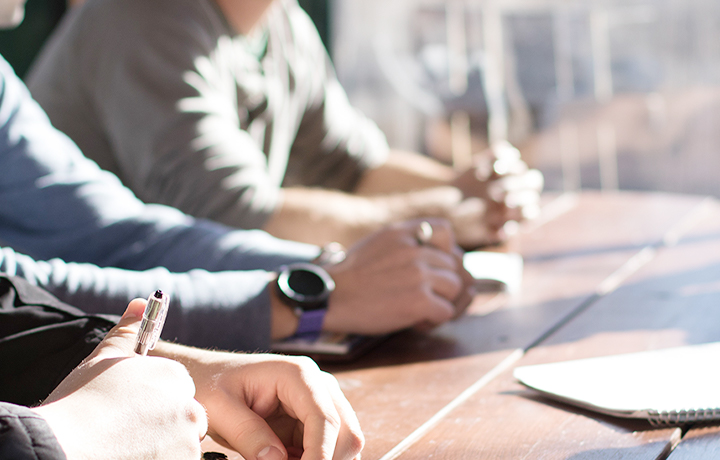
(270, 453)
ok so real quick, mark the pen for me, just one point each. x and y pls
(152, 322)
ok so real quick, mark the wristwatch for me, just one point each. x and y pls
(306, 289)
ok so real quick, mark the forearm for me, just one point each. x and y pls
(229, 309)
(114, 229)
(402, 172)
(320, 216)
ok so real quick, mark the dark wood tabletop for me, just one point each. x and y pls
(605, 273)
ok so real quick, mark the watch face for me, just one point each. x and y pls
(306, 285)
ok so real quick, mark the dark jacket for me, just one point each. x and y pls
(41, 341)
(25, 435)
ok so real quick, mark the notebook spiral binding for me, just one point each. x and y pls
(682, 417)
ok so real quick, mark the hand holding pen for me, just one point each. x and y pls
(119, 405)
(149, 333)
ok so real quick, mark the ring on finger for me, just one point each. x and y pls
(424, 233)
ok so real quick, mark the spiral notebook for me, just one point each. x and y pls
(673, 386)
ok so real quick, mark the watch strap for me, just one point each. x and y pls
(311, 321)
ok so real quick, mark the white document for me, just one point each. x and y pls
(495, 270)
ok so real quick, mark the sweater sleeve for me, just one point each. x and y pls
(26, 435)
(227, 309)
(335, 143)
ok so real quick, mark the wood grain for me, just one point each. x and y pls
(403, 383)
(666, 303)
(697, 444)
(573, 258)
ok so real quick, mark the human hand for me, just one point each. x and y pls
(389, 281)
(502, 180)
(118, 405)
(474, 221)
(272, 407)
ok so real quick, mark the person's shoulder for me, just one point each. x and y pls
(143, 23)
(130, 17)
(304, 32)
(293, 13)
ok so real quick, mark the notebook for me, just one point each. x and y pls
(493, 271)
(668, 387)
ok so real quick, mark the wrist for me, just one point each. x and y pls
(305, 288)
(283, 321)
(431, 202)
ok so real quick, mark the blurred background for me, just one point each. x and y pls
(597, 94)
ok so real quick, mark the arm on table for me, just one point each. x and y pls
(389, 282)
(478, 202)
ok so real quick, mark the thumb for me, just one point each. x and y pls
(120, 341)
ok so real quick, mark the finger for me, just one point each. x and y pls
(531, 211)
(463, 302)
(321, 433)
(431, 231)
(504, 150)
(507, 159)
(528, 184)
(509, 167)
(445, 283)
(437, 259)
(120, 341)
(499, 213)
(437, 310)
(510, 214)
(199, 416)
(350, 440)
(521, 206)
(522, 198)
(443, 237)
(467, 293)
(464, 299)
(250, 435)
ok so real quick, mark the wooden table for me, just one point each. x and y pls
(605, 273)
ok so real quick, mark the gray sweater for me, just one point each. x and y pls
(189, 114)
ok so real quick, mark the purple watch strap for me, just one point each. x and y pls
(311, 322)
